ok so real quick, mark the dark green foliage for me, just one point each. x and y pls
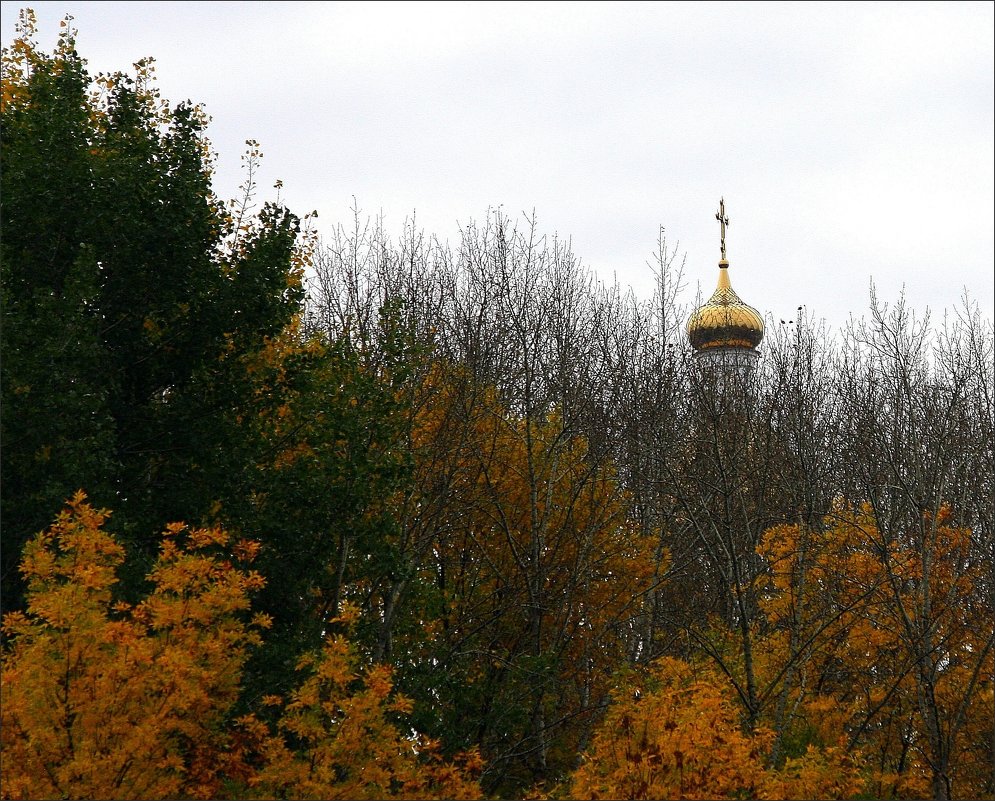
(318, 494)
(125, 307)
(151, 357)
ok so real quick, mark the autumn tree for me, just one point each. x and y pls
(838, 678)
(347, 743)
(675, 732)
(526, 662)
(516, 519)
(918, 433)
(104, 699)
(852, 598)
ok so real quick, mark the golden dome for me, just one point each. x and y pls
(725, 321)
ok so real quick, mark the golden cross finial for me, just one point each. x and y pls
(723, 222)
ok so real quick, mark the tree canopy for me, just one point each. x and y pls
(377, 517)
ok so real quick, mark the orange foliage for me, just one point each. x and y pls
(679, 736)
(538, 560)
(526, 495)
(891, 632)
(102, 699)
(107, 700)
(17, 61)
(348, 745)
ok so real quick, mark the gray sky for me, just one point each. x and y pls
(851, 141)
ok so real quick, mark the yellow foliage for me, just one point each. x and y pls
(539, 559)
(829, 773)
(17, 61)
(678, 734)
(890, 630)
(347, 744)
(105, 700)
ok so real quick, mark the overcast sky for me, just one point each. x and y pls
(852, 142)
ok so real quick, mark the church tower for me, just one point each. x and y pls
(725, 332)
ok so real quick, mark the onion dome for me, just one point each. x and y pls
(725, 321)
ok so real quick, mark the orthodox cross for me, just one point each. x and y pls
(723, 222)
